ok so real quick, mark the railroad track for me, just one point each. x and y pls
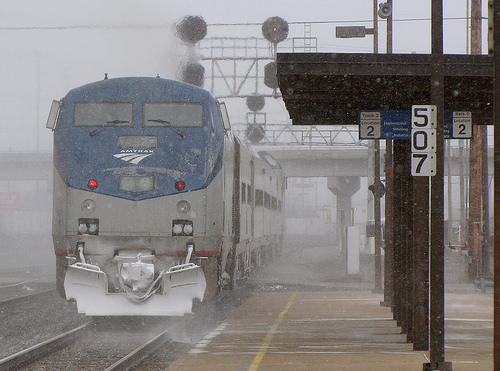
(139, 354)
(46, 349)
(31, 354)
(37, 352)
(108, 344)
(23, 289)
(27, 297)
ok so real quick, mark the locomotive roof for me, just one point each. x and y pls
(130, 88)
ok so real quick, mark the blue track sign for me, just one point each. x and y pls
(384, 124)
(397, 125)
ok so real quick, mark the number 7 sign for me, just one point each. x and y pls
(423, 164)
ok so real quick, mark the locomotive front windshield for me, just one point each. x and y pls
(175, 114)
(138, 137)
(103, 114)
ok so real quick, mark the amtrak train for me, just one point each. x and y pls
(156, 202)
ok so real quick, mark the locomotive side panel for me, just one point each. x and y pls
(269, 195)
(246, 193)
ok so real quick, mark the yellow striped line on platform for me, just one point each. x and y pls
(269, 337)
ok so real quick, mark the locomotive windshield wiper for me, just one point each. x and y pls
(114, 124)
(169, 125)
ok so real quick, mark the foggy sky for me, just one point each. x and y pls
(49, 47)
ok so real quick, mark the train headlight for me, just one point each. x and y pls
(188, 229)
(88, 226)
(82, 228)
(145, 184)
(88, 206)
(183, 207)
(136, 183)
(182, 227)
(126, 183)
(177, 229)
(93, 228)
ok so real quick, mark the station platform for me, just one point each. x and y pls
(337, 330)
(305, 314)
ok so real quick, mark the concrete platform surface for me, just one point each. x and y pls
(337, 330)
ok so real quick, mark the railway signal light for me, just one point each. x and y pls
(193, 73)
(256, 102)
(255, 133)
(378, 189)
(275, 29)
(385, 10)
(271, 75)
(192, 29)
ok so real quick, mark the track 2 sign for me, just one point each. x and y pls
(423, 140)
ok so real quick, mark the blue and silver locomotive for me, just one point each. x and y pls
(156, 203)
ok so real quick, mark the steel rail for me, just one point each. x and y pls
(138, 355)
(141, 353)
(25, 298)
(37, 351)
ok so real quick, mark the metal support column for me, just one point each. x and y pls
(398, 236)
(378, 229)
(376, 180)
(496, 110)
(407, 326)
(389, 227)
(389, 175)
(437, 361)
(421, 263)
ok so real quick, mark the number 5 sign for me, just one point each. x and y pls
(423, 140)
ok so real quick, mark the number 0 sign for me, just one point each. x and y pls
(423, 140)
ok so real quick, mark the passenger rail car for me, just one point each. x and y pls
(156, 203)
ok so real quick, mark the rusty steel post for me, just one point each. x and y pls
(496, 120)
(389, 176)
(436, 320)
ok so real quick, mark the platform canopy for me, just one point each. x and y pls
(330, 88)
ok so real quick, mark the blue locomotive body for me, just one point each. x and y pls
(155, 202)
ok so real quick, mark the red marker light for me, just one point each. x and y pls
(92, 184)
(180, 185)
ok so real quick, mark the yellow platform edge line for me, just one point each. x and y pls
(269, 337)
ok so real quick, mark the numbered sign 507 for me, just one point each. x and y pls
(423, 164)
(423, 140)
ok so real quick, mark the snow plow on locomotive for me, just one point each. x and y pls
(156, 203)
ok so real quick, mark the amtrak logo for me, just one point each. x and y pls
(133, 156)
